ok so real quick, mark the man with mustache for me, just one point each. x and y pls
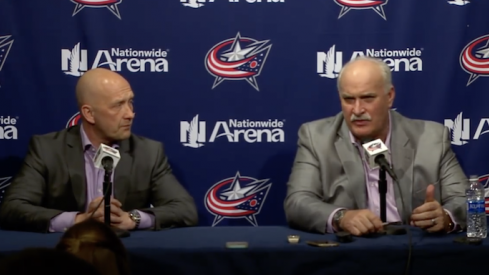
(58, 184)
(332, 188)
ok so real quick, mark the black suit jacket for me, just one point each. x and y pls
(52, 180)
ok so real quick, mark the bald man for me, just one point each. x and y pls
(332, 188)
(58, 184)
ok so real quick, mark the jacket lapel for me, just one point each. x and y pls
(123, 171)
(352, 163)
(402, 163)
(76, 166)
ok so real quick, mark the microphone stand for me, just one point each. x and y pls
(107, 186)
(389, 229)
(383, 193)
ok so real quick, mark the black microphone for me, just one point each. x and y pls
(107, 158)
(382, 161)
(107, 163)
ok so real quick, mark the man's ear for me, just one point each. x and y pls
(87, 114)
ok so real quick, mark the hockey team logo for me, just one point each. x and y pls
(474, 58)
(237, 198)
(111, 5)
(74, 120)
(460, 129)
(4, 183)
(6, 42)
(375, 5)
(239, 58)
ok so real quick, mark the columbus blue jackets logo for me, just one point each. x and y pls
(4, 183)
(74, 120)
(239, 58)
(237, 198)
(474, 58)
(109, 4)
(375, 5)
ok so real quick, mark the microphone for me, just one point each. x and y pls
(376, 152)
(106, 157)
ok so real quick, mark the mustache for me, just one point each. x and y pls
(362, 117)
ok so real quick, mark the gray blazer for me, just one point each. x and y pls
(52, 180)
(328, 171)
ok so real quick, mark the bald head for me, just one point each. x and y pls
(95, 84)
(366, 94)
(105, 100)
(364, 69)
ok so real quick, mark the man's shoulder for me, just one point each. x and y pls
(421, 126)
(53, 137)
(145, 142)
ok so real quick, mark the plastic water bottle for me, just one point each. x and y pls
(476, 210)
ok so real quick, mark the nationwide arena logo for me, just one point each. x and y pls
(375, 5)
(239, 58)
(74, 120)
(474, 58)
(109, 4)
(237, 198)
(74, 61)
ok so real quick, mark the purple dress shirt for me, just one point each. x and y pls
(94, 181)
(372, 187)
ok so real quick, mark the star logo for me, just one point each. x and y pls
(239, 58)
(375, 5)
(474, 58)
(237, 198)
(111, 5)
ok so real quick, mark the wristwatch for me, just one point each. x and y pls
(337, 218)
(136, 217)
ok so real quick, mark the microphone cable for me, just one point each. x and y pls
(106, 191)
(410, 237)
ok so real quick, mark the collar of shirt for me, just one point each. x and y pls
(86, 142)
(387, 141)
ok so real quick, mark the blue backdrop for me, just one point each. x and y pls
(226, 84)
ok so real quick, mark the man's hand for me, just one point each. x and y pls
(116, 212)
(430, 215)
(126, 222)
(361, 222)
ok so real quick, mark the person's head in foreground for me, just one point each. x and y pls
(97, 244)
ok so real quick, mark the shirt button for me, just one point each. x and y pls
(100, 190)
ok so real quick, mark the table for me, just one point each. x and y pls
(201, 250)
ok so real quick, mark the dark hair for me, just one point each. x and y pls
(45, 261)
(97, 244)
